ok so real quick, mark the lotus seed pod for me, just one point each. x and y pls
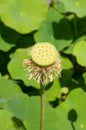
(65, 90)
(44, 54)
(43, 64)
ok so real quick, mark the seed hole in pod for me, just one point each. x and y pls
(42, 56)
(39, 50)
(38, 53)
(50, 48)
(47, 54)
(35, 51)
(38, 56)
(41, 59)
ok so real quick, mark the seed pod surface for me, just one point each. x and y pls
(44, 53)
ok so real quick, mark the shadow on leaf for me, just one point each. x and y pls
(63, 30)
(72, 117)
(18, 124)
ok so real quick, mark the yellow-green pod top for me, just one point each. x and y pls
(44, 53)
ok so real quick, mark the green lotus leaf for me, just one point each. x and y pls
(67, 70)
(45, 31)
(16, 70)
(61, 43)
(54, 90)
(19, 14)
(66, 63)
(8, 122)
(71, 113)
(3, 7)
(53, 15)
(79, 51)
(69, 50)
(20, 100)
(59, 6)
(52, 30)
(4, 46)
(8, 89)
(8, 38)
(75, 6)
(28, 110)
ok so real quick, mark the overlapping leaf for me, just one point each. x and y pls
(4, 46)
(7, 40)
(9, 122)
(67, 70)
(28, 110)
(8, 89)
(16, 69)
(56, 29)
(69, 114)
(75, 6)
(19, 14)
(54, 90)
(80, 52)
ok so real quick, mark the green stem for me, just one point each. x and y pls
(42, 108)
